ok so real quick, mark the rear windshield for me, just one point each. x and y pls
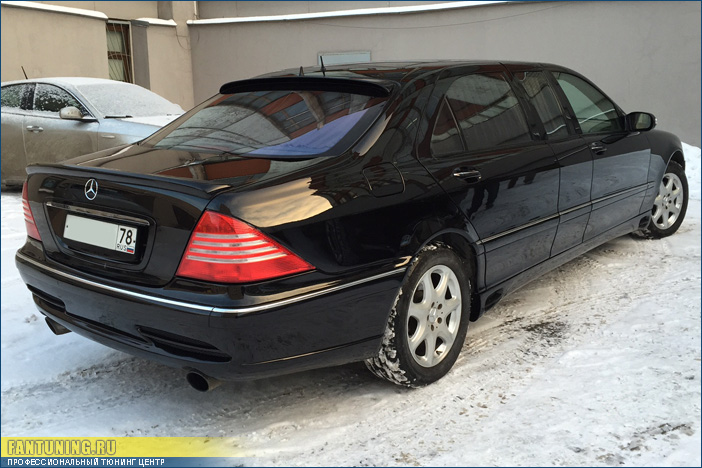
(274, 124)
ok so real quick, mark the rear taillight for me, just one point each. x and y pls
(28, 216)
(225, 250)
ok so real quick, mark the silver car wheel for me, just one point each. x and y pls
(669, 202)
(434, 316)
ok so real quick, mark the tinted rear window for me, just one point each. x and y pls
(445, 139)
(274, 124)
(487, 111)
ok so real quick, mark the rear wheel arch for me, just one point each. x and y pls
(465, 249)
(458, 242)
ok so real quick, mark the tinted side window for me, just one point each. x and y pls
(49, 98)
(445, 138)
(12, 96)
(487, 111)
(595, 113)
(542, 97)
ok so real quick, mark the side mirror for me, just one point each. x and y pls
(640, 122)
(71, 113)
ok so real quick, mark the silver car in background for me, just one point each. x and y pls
(53, 119)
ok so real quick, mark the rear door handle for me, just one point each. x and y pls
(34, 128)
(469, 175)
(598, 148)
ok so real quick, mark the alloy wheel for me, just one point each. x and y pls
(669, 202)
(434, 316)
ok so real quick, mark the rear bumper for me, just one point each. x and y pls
(336, 325)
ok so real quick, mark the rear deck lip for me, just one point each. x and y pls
(204, 308)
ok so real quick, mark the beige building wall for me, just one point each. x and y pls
(170, 67)
(51, 44)
(116, 9)
(645, 55)
(217, 9)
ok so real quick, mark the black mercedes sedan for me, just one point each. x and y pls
(317, 217)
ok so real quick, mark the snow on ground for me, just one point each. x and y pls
(596, 363)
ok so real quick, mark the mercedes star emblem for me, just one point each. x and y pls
(91, 189)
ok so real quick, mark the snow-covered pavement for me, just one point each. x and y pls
(596, 363)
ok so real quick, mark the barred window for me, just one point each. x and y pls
(119, 51)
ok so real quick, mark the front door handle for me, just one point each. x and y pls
(34, 128)
(469, 175)
(598, 148)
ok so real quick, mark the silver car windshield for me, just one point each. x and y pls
(126, 100)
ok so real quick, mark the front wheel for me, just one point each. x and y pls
(427, 326)
(670, 204)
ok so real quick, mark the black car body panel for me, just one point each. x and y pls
(223, 345)
(513, 211)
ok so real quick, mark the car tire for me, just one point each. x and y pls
(670, 205)
(427, 325)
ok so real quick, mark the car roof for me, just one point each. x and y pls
(66, 81)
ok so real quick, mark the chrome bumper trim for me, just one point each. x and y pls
(204, 308)
(304, 297)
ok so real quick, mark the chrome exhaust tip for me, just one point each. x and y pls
(56, 327)
(202, 382)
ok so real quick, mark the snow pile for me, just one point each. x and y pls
(692, 169)
(594, 364)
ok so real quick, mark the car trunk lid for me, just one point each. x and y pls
(81, 209)
(110, 223)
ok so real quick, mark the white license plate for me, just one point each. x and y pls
(100, 234)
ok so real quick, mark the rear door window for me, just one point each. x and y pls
(595, 113)
(13, 96)
(445, 139)
(487, 111)
(543, 99)
(275, 124)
